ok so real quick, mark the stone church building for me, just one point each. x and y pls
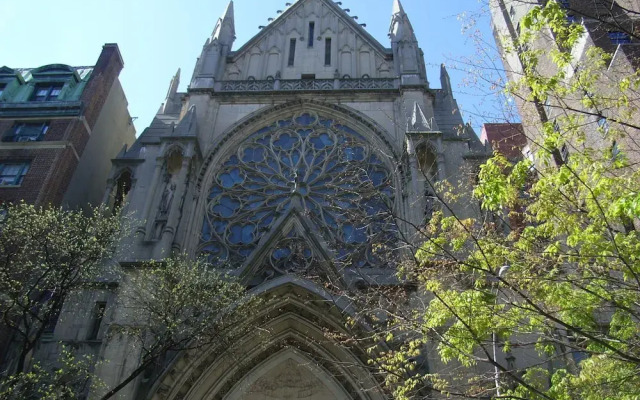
(280, 164)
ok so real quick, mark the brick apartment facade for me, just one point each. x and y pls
(59, 128)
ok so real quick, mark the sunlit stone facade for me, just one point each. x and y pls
(290, 163)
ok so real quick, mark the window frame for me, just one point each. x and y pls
(327, 51)
(312, 29)
(564, 152)
(292, 52)
(49, 87)
(603, 123)
(619, 37)
(18, 178)
(20, 131)
(97, 319)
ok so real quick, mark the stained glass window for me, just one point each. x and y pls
(325, 170)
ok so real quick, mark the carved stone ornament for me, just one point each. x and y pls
(320, 166)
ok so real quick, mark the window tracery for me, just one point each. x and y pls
(318, 166)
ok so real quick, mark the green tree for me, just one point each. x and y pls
(548, 308)
(72, 376)
(175, 305)
(48, 256)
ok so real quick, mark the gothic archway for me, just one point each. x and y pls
(293, 333)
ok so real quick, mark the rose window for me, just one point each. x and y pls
(319, 167)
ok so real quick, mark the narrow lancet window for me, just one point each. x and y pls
(312, 26)
(96, 320)
(327, 51)
(292, 52)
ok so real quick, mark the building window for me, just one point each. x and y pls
(252, 188)
(47, 91)
(619, 37)
(547, 107)
(2, 87)
(615, 151)
(312, 26)
(327, 51)
(12, 174)
(564, 153)
(96, 320)
(27, 132)
(53, 314)
(603, 125)
(292, 52)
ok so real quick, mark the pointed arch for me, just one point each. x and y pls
(173, 148)
(173, 156)
(123, 183)
(298, 316)
(427, 156)
(376, 134)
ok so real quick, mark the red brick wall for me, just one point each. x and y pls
(105, 72)
(46, 181)
(42, 162)
(51, 169)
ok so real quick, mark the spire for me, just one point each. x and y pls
(173, 85)
(210, 65)
(407, 57)
(225, 31)
(445, 81)
(400, 28)
(397, 8)
(172, 103)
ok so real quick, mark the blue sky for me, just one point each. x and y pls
(158, 37)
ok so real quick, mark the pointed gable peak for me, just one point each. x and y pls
(418, 122)
(397, 8)
(306, 9)
(225, 31)
(188, 124)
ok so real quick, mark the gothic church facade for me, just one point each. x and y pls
(260, 167)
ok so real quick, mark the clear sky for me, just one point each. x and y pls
(158, 37)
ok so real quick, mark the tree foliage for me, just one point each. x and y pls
(178, 304)
(46, 254)
(69, 377)
(549, 307)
